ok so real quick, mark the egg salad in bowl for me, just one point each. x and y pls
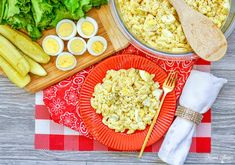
(154, 26)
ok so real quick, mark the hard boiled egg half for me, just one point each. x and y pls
(66, 29)
(97, 45)
(87, 27)
(77, 46)
(52, 45)
(66, 61)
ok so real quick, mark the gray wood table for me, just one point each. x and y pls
(17, 129)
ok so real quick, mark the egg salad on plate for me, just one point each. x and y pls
(127, 99)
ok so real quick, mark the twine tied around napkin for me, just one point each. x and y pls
(198, 95)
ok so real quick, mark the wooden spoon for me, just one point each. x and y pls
(205, 38)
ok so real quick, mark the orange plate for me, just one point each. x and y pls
(93, 121)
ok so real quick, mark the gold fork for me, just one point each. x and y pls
(168, 86)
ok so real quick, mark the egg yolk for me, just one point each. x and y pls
(97, 46)
(77, 46)
(88, 28)
(66, 61)
(51, 46)
(65, 29)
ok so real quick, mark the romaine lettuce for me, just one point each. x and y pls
(37, 15)
(2, 9)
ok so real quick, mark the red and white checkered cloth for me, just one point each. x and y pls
(53, 136)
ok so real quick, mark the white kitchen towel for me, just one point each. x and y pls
(199, 93)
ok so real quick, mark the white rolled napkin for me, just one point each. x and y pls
(199, 93)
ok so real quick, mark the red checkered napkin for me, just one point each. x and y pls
(59, 104)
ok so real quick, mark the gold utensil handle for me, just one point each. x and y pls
(151, 126)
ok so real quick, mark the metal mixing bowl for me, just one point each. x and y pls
(228, 28)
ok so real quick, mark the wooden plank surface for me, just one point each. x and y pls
(107, 28)
(17, 129)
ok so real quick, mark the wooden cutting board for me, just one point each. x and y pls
(107, 28)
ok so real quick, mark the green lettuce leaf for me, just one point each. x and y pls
(42, 13)
(12, 9)
(2, 9)
(60, 13)
(98, 3)
(71, 5)
(37, 15)
(25, 6)
(25, 22)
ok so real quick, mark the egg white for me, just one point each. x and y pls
(92, 40)
(79, 26)
(59, 41)
(75, 53)
(68, 68)
(74, 29)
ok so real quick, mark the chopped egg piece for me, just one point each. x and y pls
(168, 19)
(52, 45)
(66, 61)
(157, 93)
(87, 27)
(96, 45)
(77, 46)
(145, 75)
(66, 29)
